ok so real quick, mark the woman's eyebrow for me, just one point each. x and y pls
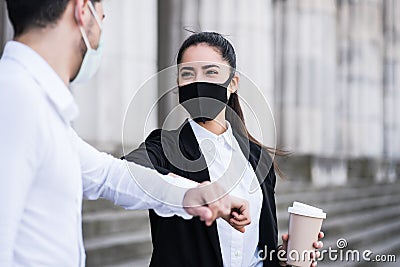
(210, 66)
(187, 68)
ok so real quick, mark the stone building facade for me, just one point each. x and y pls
(329, 69)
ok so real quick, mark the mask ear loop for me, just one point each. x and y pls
(85, 38)
(226, 84)
(96, 17)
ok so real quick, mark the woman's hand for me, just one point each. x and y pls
(234, 210)
(316, 245)
(240, 214)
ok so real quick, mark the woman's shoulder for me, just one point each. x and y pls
(163, 138)
(169, 135)
(160, 133)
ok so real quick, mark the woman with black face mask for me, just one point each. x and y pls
(214, 145)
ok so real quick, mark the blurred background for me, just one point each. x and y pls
(330, 70)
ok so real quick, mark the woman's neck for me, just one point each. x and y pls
(217, 125)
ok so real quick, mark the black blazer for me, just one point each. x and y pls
(179, 242)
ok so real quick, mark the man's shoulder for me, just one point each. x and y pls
(13, 72)
(15, 81)
(19, 92)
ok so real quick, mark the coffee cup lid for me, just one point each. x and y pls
(306, 210)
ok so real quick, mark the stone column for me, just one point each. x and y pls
(173, 17)
(251, 26)
(361, 56)
(360, 76)
(2, 23)
(306, 85)
(306, 74)
(391, 85)
(6, 31)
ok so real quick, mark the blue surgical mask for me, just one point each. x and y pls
(92, 59)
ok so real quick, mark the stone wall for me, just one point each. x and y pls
(329, 69)
(336, 73)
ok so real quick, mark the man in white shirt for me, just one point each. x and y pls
(45, 168)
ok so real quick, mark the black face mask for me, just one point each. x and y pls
(203, 100)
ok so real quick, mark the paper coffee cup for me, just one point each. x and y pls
(305, 223)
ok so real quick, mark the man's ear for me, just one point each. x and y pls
(234, 85)
(80, 11)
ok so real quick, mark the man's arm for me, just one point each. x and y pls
(125, 184)
(136, 187)
(130, 185)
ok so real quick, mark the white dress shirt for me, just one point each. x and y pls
(238, 249)
(46, 169)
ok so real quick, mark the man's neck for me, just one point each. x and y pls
(52, 47)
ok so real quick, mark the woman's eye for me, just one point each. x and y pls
(187, 74)
(212, 72)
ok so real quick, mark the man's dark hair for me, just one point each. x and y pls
(27, 14)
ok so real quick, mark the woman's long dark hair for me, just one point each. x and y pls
(227, 52)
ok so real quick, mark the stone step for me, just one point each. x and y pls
(330, 195)
(295, 191)
(289, 187)
(96, 224)
(115, 221)
(115, 237)
(385, 229)
(345, 223)
(139, 262)
(107, 250)
(342, 207)
(381, 231)
(367, 235)
(390, 249)
(285, 186)
(388, 244)
(298, 191)
(98, 205)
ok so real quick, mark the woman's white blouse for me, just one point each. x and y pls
(222, 153)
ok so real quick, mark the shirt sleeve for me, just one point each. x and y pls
(20, 155)
(130, 185)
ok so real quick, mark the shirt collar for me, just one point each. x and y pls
(45, 76)
(202, 133)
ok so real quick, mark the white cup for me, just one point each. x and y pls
(305, 223)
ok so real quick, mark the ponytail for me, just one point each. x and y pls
(241, 128)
